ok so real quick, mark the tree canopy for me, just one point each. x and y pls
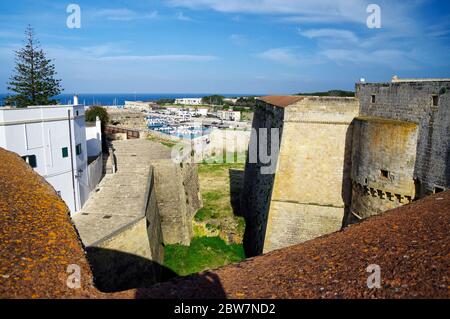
(34, 75)
(94, 111)
(213, 100)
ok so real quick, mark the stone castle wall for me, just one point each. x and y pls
(311, 193)
(342, 160)
(384, 157)
(413, 102)
(131, 256)
(300, 202)
(178, 198)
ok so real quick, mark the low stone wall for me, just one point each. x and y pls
(178, 198)
(132, 254)
(127, 118)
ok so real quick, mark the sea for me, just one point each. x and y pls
(120, 98)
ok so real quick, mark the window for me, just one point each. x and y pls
(438, 189)
(372, 98)
(65, 152)
(385, 173)
(78, 149)
(30, 160)
(435, 99)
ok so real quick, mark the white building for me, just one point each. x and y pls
(198, 111)
(189, 101)
(94, 138)
(52, 140)
(229, 115)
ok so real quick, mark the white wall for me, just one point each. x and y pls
(44, 132)
(94, 139)
(95, 173)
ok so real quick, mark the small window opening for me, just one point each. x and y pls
(438, 190)
(372, 98)
(30, 160)
(384, 173)
(78, 149)
(435, 100)
(65, 152)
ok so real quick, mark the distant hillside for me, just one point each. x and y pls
(338, 93)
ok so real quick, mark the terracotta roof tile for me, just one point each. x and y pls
(411, 244)
(37, 238)
(281, 101)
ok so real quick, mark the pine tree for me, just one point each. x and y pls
(34, 79)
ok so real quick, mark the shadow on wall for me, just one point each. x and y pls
(347, 178)
(206, 285)
(257, 188)
(117, 271)
(236, 184)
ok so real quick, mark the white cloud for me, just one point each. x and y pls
(345, 10)
(332, 34)
(280, 55)
(167, 57)
(395, 59)
(124, 14)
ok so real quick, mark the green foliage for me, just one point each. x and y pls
(203, 253)
(336, 93)
(33, 80)
(95, 111)
(213, 100)
(249, 102)
(206, 213)
(165, 101)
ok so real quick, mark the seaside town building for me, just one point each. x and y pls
(189, 101)
(227, 115)
(52, 140)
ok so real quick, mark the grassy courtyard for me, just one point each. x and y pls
(218, 232)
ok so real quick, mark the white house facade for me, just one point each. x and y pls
(189, 101)
(52, 140)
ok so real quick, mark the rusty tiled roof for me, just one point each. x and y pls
(411, 244)
(37, 238)
(281, 101)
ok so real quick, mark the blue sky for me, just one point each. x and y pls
(232, 46)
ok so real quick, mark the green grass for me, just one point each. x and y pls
(203, 253)
(218, 169)
(210, 252)
(166, 143)
(169, 144)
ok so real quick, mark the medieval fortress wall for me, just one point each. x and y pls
(311, 189)
(344, 159)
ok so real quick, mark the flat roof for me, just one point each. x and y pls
(399, 80)
(13, 108)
